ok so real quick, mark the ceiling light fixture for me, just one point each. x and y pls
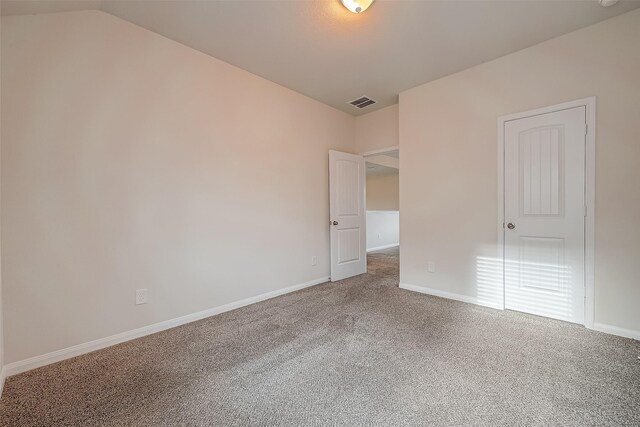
(607, 3)
(357, 6)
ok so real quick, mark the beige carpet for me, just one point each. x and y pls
(360, 352)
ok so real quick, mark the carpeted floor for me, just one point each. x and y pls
(360, 352)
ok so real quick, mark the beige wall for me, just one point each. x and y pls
(382, 193)
(448, 143)
(377, 130)
(383, 229)
(1, 301)
(131, 161)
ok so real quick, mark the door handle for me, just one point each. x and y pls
(511, 226)
(335, 222)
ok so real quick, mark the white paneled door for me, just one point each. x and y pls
(347, 215)
(544, 214)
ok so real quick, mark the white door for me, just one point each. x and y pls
(347, 215)
(544, 214)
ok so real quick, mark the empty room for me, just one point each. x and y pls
(319, 212)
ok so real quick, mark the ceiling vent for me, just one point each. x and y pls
(362, 102)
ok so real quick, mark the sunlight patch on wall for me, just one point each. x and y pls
(489, 287)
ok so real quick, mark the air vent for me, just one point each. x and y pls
(362, 102)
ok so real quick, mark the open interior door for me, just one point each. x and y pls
(347, 215)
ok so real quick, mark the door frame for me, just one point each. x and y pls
(370, 153)
(379, 151)
(590, 192)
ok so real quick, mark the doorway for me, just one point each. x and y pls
(546, 208)
(382, 200)
(363, 208)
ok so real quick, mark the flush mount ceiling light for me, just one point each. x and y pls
(607, 3)
(357, 6)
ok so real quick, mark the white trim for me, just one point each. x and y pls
(549, 109)
(3, 376)
(76, 350)
(379, 248)
(447, 295)
(500, 224)
(590, 191)
(380, 151)
(590, 220)
(383, 212)
(615, 330)
(600, 327)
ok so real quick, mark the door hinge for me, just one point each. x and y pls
(586, 129)
(585, 211)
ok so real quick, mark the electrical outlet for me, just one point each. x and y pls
(314, 260)
(431, 267)
(141, 296)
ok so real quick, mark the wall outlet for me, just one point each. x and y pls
(141, 296)
(314, 260)
(431, 267)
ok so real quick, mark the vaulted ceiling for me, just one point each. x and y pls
(320, 49)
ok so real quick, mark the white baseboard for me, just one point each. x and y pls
(77, 350)
(448, 295)
(615, 330)
(379, 248)
(600, 327)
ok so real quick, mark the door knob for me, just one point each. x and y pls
(335, 222)
(511, 226)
